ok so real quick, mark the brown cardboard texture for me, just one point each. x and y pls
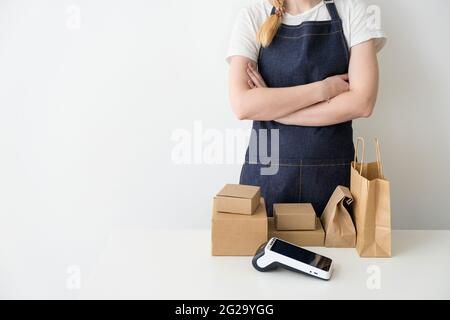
(294, 216)
(307, 238)
(236, 234)
(238, 198)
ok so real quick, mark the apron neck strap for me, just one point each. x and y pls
(273, 11)
(331, 7)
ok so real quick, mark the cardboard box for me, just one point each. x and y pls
(236, 234)
(307, 238)
(238, 198)
(294, 216)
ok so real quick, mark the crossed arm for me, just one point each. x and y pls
(317, 104)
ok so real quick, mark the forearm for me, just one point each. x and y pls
(273, 103)
(263, 103)
(347, 106)
(358, 102)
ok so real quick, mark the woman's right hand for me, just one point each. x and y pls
(336, 85)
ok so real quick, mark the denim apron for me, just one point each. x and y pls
(312, 160)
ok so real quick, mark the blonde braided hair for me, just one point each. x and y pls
(270, 27)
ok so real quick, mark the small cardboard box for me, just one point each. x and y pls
(238, 198)
(307, 238)
(236, 234)
(294, 216)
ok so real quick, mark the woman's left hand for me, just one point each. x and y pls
(256, 80)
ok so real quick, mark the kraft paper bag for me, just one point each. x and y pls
(340, 231)
(371, 205)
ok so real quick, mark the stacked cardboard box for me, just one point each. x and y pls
(239, 221)
(296, 223)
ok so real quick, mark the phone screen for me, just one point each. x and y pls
(302, 255)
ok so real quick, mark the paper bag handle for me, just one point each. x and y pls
(363, 152)
(378, 154)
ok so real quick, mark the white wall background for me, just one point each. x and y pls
(87, 114)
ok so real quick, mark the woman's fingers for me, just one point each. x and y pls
(258, 82)
(253, 78)
(251, 65)
(251, 84)
(257, 74)
(337, 85)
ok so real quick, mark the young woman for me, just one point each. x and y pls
(306, 68)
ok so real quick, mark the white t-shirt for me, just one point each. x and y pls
(360, 23)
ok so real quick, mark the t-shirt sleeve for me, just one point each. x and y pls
(365, 24)
(243, 37)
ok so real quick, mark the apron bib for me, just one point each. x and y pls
(313, 161)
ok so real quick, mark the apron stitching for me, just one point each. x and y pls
(309, 34)
(326, 165)
(306, 23)
(344, 42)
(306, 165)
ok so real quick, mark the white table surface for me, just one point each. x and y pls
(176, 264)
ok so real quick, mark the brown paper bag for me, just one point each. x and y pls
(371, 205)
(339, 228)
